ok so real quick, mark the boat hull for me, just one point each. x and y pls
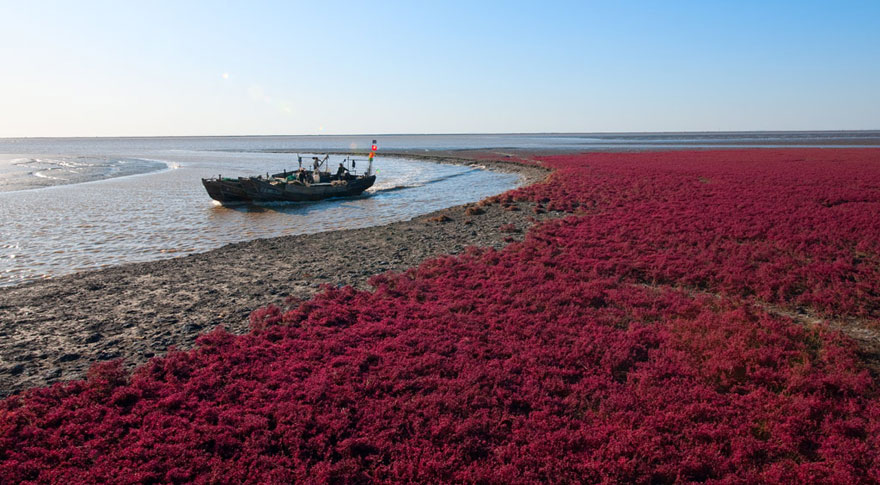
(262, 190)
(226, 191)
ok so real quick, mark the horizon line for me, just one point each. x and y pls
(451, 134)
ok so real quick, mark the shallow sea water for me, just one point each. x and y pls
(165, 212)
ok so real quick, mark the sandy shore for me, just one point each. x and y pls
(53, 330)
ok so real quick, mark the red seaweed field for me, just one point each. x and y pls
(641, 337)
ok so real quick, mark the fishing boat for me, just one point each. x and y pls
(282, 189)
(294, 186)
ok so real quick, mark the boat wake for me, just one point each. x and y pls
(394, 188)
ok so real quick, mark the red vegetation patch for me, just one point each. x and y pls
(474, 210)
(440, 218)
(795, 227)
(557, 359)
(508, 228)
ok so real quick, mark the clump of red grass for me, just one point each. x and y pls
(509, 228)
(440, 218)
(582, 354)
(474, 210)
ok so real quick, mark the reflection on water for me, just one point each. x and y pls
(67, 228)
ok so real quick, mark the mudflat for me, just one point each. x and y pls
(54, 330)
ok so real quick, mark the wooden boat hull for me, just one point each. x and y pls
(225, 190)
(262, 190)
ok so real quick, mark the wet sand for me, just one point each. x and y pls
(54, 330)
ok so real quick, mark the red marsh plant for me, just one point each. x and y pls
(624, 343)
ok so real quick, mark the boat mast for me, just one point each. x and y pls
(372, 152)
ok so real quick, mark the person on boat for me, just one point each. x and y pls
(341, 172)
(301, 175)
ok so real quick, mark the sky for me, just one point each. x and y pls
(179, 68)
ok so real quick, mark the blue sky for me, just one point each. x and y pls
(221, 68)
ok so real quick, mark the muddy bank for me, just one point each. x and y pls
(55, 329)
